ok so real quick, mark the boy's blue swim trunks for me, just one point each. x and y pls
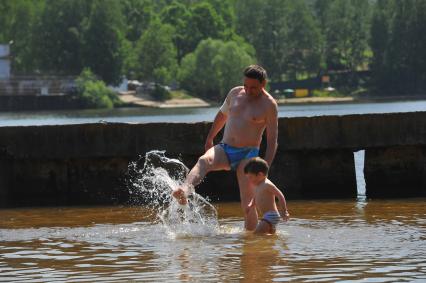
(236, 154)
(272, 217)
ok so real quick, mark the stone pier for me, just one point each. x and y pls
(87, 163)
(398, 171)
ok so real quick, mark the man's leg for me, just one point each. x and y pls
(246, 195)
(214, 159)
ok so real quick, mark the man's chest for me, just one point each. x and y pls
(251, 111)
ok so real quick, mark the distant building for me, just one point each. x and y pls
(4, 61)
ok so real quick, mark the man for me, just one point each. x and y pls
(247, 111)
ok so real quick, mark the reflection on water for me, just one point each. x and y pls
(184, 115)
(325, 241)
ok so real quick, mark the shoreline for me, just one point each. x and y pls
(315, 100)
(18, 103)
(144, 101)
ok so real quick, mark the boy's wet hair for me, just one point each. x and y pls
(256, 165)
(255, 72)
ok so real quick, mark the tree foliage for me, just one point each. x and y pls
(284, 34)
(399, 61)
(213, 68)
(58, 36)
(93, 93)
(156, 53)
(158, 39)
(103, 40)
(346, 27)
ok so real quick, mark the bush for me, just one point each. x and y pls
(160, 93)
(94, 93)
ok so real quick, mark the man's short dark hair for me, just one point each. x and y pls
(256, 165)
(255, 72)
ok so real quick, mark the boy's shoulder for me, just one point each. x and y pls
(266, 185)
(270, 185)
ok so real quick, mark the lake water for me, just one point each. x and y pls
(146, 115)
(325, 241)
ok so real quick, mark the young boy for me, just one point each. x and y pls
(256, 171)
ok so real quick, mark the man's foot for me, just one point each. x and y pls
(180, 196)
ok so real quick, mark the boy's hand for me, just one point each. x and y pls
(285, 215)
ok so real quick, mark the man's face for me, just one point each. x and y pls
(253, 87)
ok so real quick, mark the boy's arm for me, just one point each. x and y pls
(281, 202)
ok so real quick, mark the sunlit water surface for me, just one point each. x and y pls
(327, 241)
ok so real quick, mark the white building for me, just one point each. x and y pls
(4, 61)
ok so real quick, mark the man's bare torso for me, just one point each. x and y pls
(247, 118)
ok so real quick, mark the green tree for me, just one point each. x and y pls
(379, 40)
(399, 57)
(5, 20)
(156, 53)
(418, 54)
(303, 52)
(19, 32)
(204, 22)
(264, 24)
(284, 34)
(103, 40)
(213, 68)
(178, 15)
(137, 15)
(58, 35)
(346, 28)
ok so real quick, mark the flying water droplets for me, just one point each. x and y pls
(152, 180)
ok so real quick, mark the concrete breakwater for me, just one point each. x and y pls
(87, 163)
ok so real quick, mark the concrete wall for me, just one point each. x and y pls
(86, 164)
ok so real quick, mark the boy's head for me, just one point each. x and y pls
(256, 169)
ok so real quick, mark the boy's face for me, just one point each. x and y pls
(255, 178)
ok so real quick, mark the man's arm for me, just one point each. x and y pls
(271, 134)
(219, 121)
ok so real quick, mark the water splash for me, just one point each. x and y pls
(152, 180)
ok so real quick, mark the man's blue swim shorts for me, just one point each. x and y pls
(236, 154)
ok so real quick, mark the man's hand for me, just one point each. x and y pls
(208, 144)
